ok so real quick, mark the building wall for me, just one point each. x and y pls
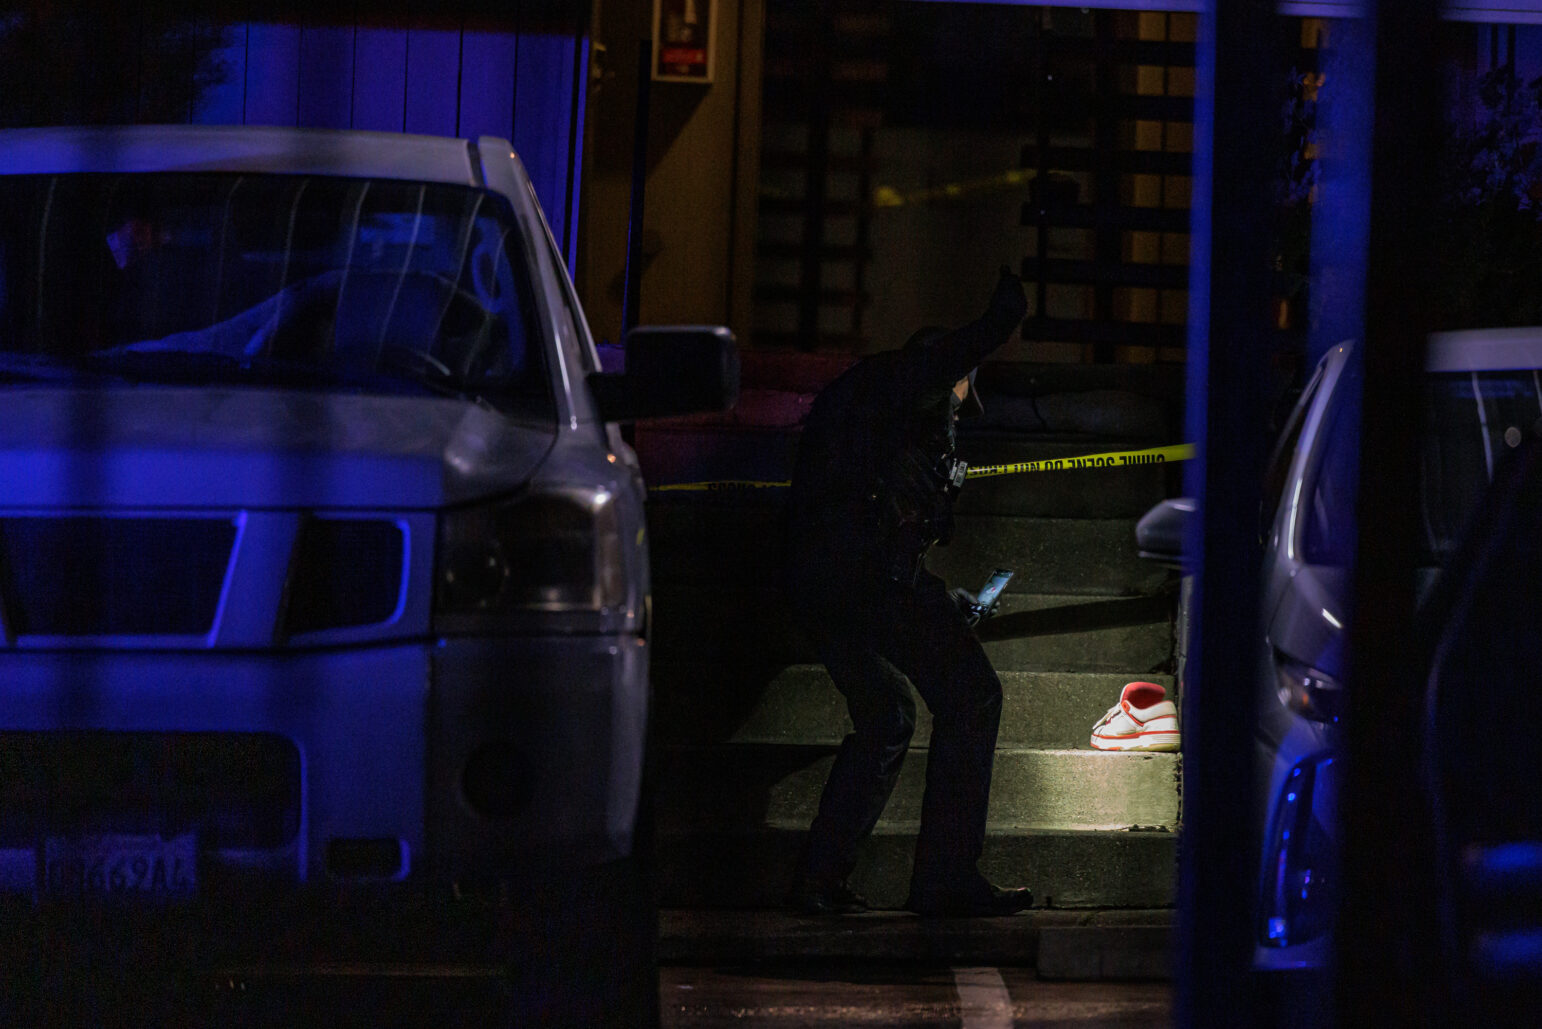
(698, 223)
(446, 74)
(439, 80)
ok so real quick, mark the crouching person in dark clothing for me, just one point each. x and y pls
(873, 490)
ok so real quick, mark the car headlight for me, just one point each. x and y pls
(1307, 691)
(1301, 887)
(545, 554)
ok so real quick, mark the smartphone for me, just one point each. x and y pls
(993, 587)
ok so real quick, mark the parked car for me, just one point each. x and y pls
(1485, 810)
(1483, 399)
(324, 585)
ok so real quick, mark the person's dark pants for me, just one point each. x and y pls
(918, 635)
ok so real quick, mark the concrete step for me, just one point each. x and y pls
(1119, 948)
(1092, 411)
(713, 868)
(1164, 383)
(1083, 387)
(749, 624)
(1122, 943)
(1036, 632)
(1033, 411)
(704, 704)
(1075, 556)
(753, 786)
(744, 543)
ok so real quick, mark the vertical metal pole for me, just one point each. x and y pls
(631, 303)
(1387, 970)
(1234, 132)
(1340, 216)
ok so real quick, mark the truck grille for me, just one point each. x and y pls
(80, 575)
(236, 791)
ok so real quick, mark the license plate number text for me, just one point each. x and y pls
(123, 865)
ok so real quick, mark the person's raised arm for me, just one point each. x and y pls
(933, 369)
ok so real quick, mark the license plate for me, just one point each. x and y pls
(121, 865)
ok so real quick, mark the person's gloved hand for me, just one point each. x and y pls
(1009, 301)
(965, 602)
(969, 606)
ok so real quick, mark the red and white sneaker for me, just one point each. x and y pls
(1144, 719)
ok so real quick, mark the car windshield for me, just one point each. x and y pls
(1475, 419)
(309, 282)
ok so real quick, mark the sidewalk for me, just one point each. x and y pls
(1059, 944)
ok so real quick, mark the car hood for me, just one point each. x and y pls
(1309, 623)
(251, 448)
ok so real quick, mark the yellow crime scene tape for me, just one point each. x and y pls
(1114, 459)
(1117, 459)
(888, 196)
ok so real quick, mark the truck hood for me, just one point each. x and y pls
(251, 448)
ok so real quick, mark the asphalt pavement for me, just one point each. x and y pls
(1039, 968)
(901, 996)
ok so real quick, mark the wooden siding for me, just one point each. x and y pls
(450, 76)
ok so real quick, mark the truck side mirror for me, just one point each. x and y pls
(670, 370)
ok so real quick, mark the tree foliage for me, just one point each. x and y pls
(85, 63)
(1489, 214)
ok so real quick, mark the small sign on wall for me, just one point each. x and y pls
(683, 32)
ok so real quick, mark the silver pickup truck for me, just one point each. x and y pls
(323, 574)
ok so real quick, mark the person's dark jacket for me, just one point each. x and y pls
(876, 472)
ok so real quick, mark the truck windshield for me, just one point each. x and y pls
(325, 283)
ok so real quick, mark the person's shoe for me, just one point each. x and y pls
(983, 901)
(812, 897)
(1142, 720)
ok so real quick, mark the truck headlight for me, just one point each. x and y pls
(551, 552)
